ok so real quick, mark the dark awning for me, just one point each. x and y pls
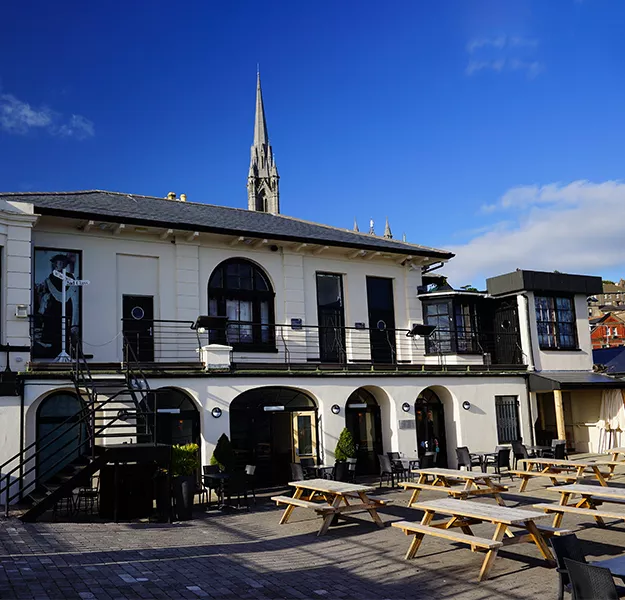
(547, 381)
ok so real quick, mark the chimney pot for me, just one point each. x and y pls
(183, 198)
(171, 196)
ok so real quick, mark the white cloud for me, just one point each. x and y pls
(504, 53)
(19, 117)
(575, 228)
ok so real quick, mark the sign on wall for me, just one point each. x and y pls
(47, 301)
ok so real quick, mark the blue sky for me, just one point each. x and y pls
(491, 128)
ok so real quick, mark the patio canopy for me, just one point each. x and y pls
(547, 381)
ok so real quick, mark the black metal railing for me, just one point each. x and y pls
(76, 436)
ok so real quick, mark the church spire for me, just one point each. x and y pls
(263, 193)
(387, 230)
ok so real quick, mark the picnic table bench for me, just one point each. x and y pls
(456, 483)
(330, 499)
(592, 497)
(568, 471)
(465, 513)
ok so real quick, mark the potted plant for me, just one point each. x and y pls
(345, 447)
(184, 465)
(223, 455)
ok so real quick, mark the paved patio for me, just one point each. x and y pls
(248, 555)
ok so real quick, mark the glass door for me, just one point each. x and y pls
(304, 436)
(381, 319)
(331, 317)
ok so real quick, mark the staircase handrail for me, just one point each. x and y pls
(132, 377)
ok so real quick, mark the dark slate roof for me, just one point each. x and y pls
(544, 381)
(160, 212)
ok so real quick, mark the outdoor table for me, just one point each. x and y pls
(615, 564)
(592, 496)
(539, 449)
(218, 478)
(482, 456)
(339, 498)
(615, 454)
(410, 463)
(475, 484)
(465, 513)
(321, 470)
(563, 469)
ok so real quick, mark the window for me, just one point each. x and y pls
(507, 412)
(438, 314)
(240, 290)
(456, 327)
(555, 319)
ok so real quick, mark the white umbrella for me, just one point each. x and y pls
(611, 418)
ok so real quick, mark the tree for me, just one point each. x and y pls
(468, 288)
(223, 455)
(345, 447)
(608, 282)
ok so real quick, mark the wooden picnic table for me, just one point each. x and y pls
(330, 499)
(465, 513)
(450, 481)
(614, 452)
(561, 469)
(592, 497)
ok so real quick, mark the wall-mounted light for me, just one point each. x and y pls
(466, 405)
(405, 407)
(21, 311)
(336, 409)
(216, 412)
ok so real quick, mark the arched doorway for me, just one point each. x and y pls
(177, 417)
(430, 418)
(58, 417)
(272, 427)
(362, 419)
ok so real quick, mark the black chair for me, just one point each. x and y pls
(236, 485)
(386, 470)
(351, 469)
(297, 473)
(589, 582)
(569, 547)
(393, 455)
(250, 472)
(399, 469)
(211, 484)
(87, 497)
(466, 459)
(427, 460)
(499, 460)
(341, 471)
(558, 450)
(520, 451)
(308, 466)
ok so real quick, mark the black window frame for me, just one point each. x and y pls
(507, 410)
(558, 333)
(220, 293)
(457, 339)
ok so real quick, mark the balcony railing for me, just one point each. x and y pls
(275, 346)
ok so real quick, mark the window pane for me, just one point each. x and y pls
(260, 282)
(304, 435)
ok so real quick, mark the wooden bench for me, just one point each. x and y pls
(318, 506)
(375, 499)
(597, 514)
(409, 527)
(554, 477)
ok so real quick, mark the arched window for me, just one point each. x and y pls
(240, 290)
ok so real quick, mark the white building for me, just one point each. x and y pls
(305, 329)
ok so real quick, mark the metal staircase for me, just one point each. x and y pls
(114, 411)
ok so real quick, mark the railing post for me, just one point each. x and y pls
(6, 501)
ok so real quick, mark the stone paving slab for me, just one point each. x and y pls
(248, 555)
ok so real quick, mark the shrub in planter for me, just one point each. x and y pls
(223, 456)
(345, 447)
(184, 464)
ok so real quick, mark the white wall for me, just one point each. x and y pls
(177, 275)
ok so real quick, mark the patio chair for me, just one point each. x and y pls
(297, 473)
(211, 484)
(427, 460)
(236, 485)
(250, 472)
(499, 460)
(520, 451)
(393, 455)
(341, 471)
(466, 459)
(569, 547)
(399, 468)
(351, 469)
(386, 470)
(86, 498)
(308, 466)
(558, 450)
(589, 582)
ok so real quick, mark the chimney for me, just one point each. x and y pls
(171, 196)
(183, 198)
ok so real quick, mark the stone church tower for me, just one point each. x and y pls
(263, 192)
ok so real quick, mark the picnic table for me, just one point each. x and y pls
(568, 471)
(592, 497)
(615, 452)
(465, 513)
(451, 481)
(330, 499)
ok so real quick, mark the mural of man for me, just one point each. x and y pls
(48, 307)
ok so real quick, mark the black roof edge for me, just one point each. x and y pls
(207, 229)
